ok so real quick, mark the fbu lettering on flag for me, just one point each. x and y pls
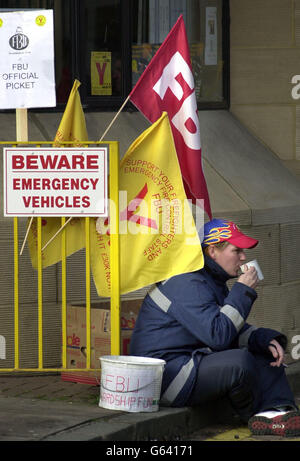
(167, 85)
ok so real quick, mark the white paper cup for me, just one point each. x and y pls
(255, 264)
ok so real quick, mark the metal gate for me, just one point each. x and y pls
(114, 265)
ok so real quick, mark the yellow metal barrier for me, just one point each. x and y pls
(114, 266)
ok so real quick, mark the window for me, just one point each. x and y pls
(204, 21)
(103, 52)
(106, 44)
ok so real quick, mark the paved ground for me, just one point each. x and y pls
(45, 408)
(235, 433)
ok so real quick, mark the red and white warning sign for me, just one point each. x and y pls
(55, 182)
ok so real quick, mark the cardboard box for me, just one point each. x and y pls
(100, 338)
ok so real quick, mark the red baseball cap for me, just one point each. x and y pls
(221, 230)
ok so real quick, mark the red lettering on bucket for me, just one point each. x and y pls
(120, 383)
(128, 387)
(122, 400)
(107, 380)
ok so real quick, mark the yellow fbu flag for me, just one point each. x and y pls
(72, 128)
(158, 236)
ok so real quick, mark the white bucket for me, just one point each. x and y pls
(130, 383)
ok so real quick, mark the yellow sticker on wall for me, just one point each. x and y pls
(40, 20)
(101, 73)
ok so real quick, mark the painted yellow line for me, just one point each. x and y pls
(242, 433)
(236, 435)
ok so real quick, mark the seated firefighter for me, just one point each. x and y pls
(198, 326)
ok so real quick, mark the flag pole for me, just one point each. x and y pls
(22, 136)
(113, 120)
(107, 129)
(59, 230)
(26, 235)
(22, 125)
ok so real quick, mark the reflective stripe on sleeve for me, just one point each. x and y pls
(244, 337)
(160, 299)
(165, 281)
(234, 315)
(177, 384)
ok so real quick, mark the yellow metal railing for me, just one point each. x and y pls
(114, 266)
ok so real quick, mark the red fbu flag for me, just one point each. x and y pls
(167, 84)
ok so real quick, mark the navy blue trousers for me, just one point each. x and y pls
(247, 379)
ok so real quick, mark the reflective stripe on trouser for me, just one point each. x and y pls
(245, 378)
(177, 384)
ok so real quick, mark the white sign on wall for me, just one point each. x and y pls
(27, 77)
(211, 43)
(55, 182)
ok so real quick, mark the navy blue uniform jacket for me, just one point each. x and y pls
(193, 314)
